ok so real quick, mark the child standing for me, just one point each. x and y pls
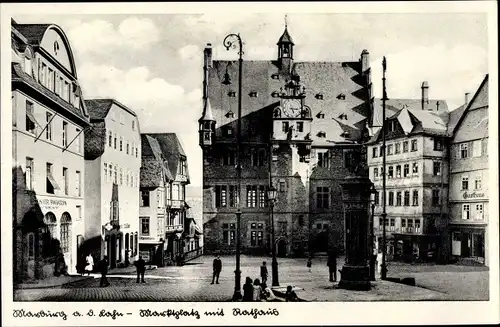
(309, 263)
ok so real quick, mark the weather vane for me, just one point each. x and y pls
(286, 22)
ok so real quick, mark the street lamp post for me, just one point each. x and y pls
(384, 214)
(372, 236)
(234, 41)
(271, 195)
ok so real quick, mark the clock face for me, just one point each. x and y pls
(292, 108)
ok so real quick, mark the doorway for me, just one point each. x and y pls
(282, 248)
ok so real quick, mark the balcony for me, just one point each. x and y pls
(177, 204)
(173, 228)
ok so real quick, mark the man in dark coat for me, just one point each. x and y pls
(141, 269)
(263, 272)
(332, 265)
(103, 268)
(217, 266)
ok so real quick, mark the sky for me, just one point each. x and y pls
(153, 63)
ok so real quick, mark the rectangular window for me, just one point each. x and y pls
(397, 148)
(403, 225)
(258, 157)
(464, 150)
(413, 145)
(77, 141)
(114, 141)
(465, 183)
(409, 225)
(50, 80)
(375, 172)
(477, 183)
(221, 196)
(115, 175)
(65, 237)
(391, 198)
(121, 143)
(282, 186)
(406, 170)
(51, 184)
(251, 196)
(398, 171)
(65, 180)
(262, 196)
(233, 196)
(374, 152)
(466, 211)
(66, 91)
(65, 134)
(323, 160)
(438, 144)
(389, 149)
(127, 178)
(476, 148)
(144, 198)
(228, 233)
(398, 199)
(145, 226)
(417, 225)
(285, 126)
(322, 197)
(377, 198)
(415, 168)
(415, 198)
(105, 172)
(392, 224)
(78, 184)
(30, 118)
(256, 234)
(436, 168)
(407, 198)
(29, 173)
(435, 197)
(381, 151)
(128, 147)
(121, 176)
(479, 212)
(300, 126)
(43, 72)
(229, 158)
(391, 172)
(48, 130)
(405, 146)
(110, 139)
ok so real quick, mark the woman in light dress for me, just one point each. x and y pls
(90, 264)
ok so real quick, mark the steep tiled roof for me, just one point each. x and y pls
(18, 75)
(99, 108)
(171, 149)
(455, 117)
(150, 173)
(285, 37)
(151, 149)
(33, 32)
(339, 83)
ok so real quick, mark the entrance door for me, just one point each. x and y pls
(79, 253)
(478, 242)
(466, 244)
(112, 258)
(282, 248)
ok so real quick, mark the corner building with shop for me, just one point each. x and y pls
(48, 119)
(302, 127)
(112, 167)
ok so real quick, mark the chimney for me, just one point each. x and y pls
(425, 95)
(467, 97)
(208, 55)
(365, 60)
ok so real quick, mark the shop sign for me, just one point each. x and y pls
(473, 195)
(126, 225)
(51, 204)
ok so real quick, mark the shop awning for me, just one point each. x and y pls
(52, 181)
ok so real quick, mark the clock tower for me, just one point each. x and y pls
(292, 119)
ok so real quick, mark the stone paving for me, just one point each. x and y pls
(192, 283)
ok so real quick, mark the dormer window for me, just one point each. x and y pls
(228, 131)
(319, 96)
(341, 96)
(275, 76)
(56, 47)
(343, 117)
(321, 134)
(320, 115)
(231, 94)
(253, 94)
(345, 134)
(275, 94)
(230, 114)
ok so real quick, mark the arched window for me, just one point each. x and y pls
(65, 232)
(51, 223)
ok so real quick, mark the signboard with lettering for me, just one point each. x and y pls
(126, 226)
(473, 195)
(51, 204)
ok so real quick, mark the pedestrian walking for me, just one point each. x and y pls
(141, 269)
(309, 263)
(89, 267)
(103, 268)
(290, 295)
(217, 267)
(263, 272)
(257, 290)
(248, 290)
(332, 265)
